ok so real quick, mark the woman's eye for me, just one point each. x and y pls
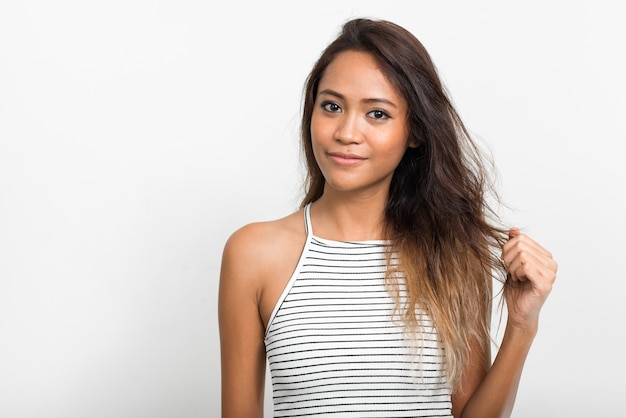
(331, 107)
(378, 114)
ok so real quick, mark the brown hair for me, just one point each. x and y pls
(437, 216)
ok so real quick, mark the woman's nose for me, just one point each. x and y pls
(349, 130)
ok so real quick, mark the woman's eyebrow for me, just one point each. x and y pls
(338, 95)
(331, 93)
(380, 100)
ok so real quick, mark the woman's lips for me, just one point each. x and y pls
(345, 159)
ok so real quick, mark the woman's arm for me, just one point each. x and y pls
(491, 391)
(241, 328)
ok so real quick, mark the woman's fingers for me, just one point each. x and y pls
(521, 246)
(525, 259)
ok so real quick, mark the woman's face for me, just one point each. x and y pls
(359, 125)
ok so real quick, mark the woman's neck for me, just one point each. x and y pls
(349, 217)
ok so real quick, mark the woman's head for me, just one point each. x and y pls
(406, 64)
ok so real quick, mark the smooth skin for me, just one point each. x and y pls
(359, 133)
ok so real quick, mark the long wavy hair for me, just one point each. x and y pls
(446, 236)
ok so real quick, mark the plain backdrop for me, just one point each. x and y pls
(136, 136)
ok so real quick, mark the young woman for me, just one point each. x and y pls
(374, 299)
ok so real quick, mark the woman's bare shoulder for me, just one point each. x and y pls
(262, 243)
(260, 235)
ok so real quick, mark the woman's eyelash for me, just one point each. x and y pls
(378, 114)
(331, 106)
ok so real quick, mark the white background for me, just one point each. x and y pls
(135, 136)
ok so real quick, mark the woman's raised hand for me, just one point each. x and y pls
(531, 272)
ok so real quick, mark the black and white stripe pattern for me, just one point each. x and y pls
(334, 349)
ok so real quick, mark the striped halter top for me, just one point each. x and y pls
(334, 349)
